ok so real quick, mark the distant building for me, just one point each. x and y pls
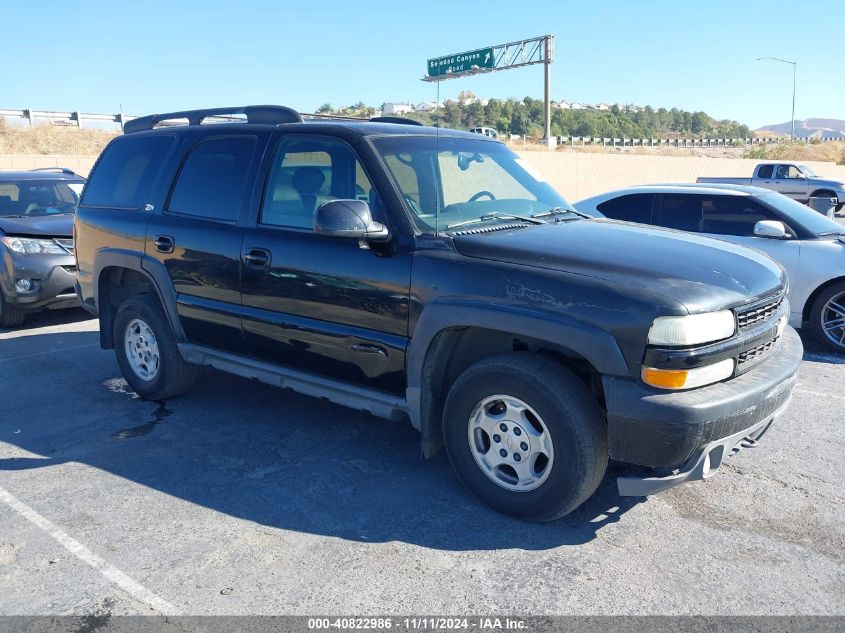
(602, 106)
(427, 106)
(578, 106)
(562, 105)
(397, 109)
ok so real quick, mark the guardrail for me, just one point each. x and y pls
(66, 118)
(680, 142)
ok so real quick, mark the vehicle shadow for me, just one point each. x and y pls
(817, 352)
(269, 456)
(48, 318)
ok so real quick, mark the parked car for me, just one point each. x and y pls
(464, 294)
(486, 131)
(808, 245)
(793, 180)
(37, 268)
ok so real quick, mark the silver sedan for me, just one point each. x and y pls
(809, 246)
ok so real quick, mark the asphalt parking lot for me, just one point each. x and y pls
(239, 498)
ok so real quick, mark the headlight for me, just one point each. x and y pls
(693, 329)
(30, 246)
(688, 378)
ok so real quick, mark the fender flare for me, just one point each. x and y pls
(151, 268)
(596, 346)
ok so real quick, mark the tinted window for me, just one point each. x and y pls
(309, 172)
(722, 215)
(633, 208)
(765, 171)
(127, 171)
(213, 180)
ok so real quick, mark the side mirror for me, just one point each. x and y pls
(770, 228)
(350, 219)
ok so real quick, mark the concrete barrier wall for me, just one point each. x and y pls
(576, 175)
(581, 175)
(80, 164)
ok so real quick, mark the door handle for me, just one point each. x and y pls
(257, 258)
(369, 349)
(164, 243)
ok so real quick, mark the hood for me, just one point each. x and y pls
(826, 182)
(700, 273)
(37, 226)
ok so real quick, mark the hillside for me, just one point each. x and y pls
(809, 128)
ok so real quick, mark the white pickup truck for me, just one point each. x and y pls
(794, 180)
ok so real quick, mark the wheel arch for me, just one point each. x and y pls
(121, 274)
(451, 337)
(808, 305)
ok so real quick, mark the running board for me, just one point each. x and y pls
(377, 403)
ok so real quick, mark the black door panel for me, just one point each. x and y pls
(319, 298)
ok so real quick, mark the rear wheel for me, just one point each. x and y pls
(147, 352)
(827, 317)
(10, 315)
(525, 436)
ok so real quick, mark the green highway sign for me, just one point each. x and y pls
(461, 62)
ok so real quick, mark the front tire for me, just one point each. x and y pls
(10, 315)
(525, 436)
(827, 317)
(147, 352)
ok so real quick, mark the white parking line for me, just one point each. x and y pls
(819, 393)
(109, 572)
(52, 351)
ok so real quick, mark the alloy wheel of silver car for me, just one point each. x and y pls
(833, 319)
(510, 443)
(142, 350)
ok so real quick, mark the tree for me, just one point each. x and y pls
(326, 108)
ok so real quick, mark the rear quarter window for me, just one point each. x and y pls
(127, 171)
(632, 208)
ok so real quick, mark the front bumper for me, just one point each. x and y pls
(654, 428)
(53, 277)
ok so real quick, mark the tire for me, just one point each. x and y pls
(822, 312)
(10, 315)
(154, 368)
(563, 407)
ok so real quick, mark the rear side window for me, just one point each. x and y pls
(127, 171)
(765, 171)
(720, 215)
(213, 180)
(633, 208)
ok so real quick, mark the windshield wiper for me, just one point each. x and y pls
(826, 233)
(561, 211)
(495, 215)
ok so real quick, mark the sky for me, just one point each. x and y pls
(97, 56)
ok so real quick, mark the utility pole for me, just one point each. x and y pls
(794, 73)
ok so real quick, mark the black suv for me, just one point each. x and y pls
(37, 268)
(428, 274)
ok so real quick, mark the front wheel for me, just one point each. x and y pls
(827, 317)
(10, 315)
(525, 436)
(147, 352)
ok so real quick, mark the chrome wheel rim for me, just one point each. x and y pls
(833, 319)
(510, 443)
(141, 350)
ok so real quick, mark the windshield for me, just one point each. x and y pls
(25, 198)
(812, 221)
(450, 181)
(807, 171)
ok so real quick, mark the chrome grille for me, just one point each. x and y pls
(748, 317)
(65, 242)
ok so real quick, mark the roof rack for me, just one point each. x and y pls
(270, 114)
(64, 170)
(395, 119)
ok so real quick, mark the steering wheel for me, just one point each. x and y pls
(481, 194)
